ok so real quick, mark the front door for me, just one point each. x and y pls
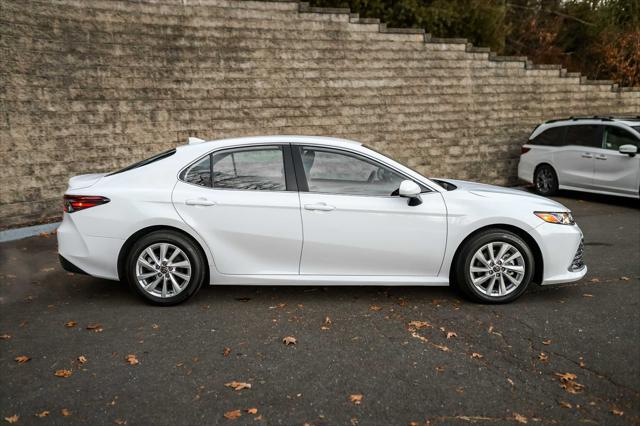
(616, 172)
(246, 208)
(354, 226)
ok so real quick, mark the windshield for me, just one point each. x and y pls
(146, 161)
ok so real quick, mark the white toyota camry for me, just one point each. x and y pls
(300, 210)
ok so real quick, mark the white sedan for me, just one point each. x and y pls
(299, 210)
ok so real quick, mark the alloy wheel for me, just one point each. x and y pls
(163, 270)
(544, 180)
(497, 269)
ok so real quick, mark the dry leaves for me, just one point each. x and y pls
(543, 357)
(477, 355)
(12, 419)
(96, 328)
(443, 348)
(120, 421)
(238, 385)
(546, 342)
(587, 295)
(568, 383)
(565, 404)
(326, 325)
(132, 359)
(70, 324)
(63, 373)
(232, 415)
(226, 352)
(419, 324)
(520, 418)
(375, 308)
(21, 359)
(5, 336)
(82, 359)
(625, 278)
(44, 413)
(451, 334)
(289, 340)
(65, 412)
(617, 412)
(356, 398)
(252, 410)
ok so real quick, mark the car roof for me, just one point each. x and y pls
(251, 140)
(573, 121)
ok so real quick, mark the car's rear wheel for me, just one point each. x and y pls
(545, 180)
(494, 266)
(165, 268)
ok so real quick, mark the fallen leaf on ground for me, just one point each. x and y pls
(587, 295)
(546, 342)
(226, 351)
(5, 336)
(439, 369)
(520, 418)
(232, 415)
(96, 328)
(155, 326)
(238, 385)
(625, 278)
(581, 363)
(375, 308)
(132, 359)
(543, 357)
(12, 419)
(595, 280)
(21, 359)
(326, 324)
(451, 334)
(252, 410)
(566, 376)
(511, 382)
(568, 383)
(289, 340)
(63, 373)
(617, 412)
(82, 359)
(70, 324)
(44, 413)
(120, 421)
(356, 398)
(419, 324)
(65, 412)
(565, 404)
(477, 355)
(417, 336)
(443, 348)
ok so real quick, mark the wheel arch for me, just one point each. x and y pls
(124, 250)
(533, 244)
(546, 163)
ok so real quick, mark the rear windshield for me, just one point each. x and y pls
(144, 162)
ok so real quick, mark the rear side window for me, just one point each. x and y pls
(199, 173)
(146, 161)
(258, 169)
(589, 135)
(615, 137)
(550, 137)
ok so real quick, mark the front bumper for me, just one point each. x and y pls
(562, 252)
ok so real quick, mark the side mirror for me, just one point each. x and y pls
(411, 190)
(630, 150)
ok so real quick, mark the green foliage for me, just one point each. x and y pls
(595, 37)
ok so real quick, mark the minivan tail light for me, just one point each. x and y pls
(73, 203)
(524, 150)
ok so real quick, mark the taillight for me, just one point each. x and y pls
(73, 203)
(524, 150)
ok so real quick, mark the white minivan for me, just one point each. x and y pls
(592, 154)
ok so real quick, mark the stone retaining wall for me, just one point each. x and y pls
(89, 86)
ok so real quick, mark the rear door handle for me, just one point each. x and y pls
(587, 155)
(323, 207)
(200, 202)
(601, 157)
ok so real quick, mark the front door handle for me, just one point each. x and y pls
(601, 157)
(587, 155)
(200, 202)
(323, 207)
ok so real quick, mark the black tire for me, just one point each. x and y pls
(189, 250)
(465, 259)
(545, 180)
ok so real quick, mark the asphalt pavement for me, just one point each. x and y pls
(564, 354)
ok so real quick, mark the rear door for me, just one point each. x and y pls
(575, 160)
(616, 172)
(246, 207)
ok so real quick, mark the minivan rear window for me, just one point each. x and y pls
(146, 161)
(553, 136)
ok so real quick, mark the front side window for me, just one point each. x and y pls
(333, 172)
(553, 136)
(259, 169)
(589, 135)
(615, 137)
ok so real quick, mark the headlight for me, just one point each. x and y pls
(562, 218)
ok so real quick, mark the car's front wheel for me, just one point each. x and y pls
(494, 266)
(165, 268)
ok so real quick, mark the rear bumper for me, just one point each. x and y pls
(70, 267)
